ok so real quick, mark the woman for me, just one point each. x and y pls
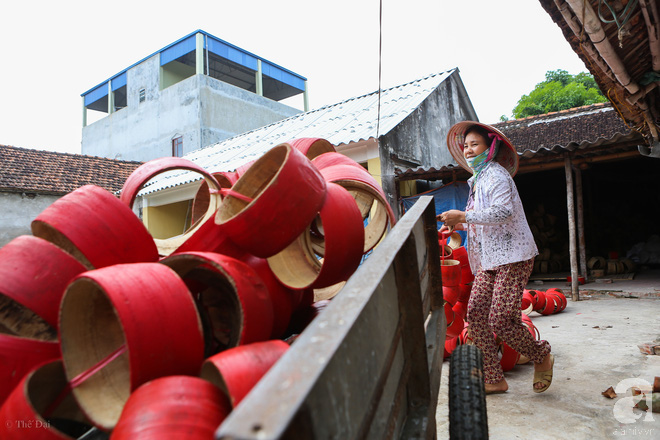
(501, 251)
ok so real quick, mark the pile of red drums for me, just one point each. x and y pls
(104, 327)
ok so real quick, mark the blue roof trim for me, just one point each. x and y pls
(118, 81)
(96, 93)
(178, 50)
(227, 51)
(284, 76)
(212, 40)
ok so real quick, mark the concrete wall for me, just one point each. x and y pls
(18, 211)
(228, 110)
(144, 130)
(420, 140)
(201, 109)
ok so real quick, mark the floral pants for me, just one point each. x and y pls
(494, 307)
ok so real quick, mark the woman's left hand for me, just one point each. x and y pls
(452, 217)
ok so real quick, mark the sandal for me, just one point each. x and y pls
(544, 377)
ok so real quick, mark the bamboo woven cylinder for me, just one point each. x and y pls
(451, 272)
(342, 233)
(41, 408)
(237, 370)
(96, 228)
(286, 193)
(18, 356)
(312, 147)
(146, 172)
(369, 197)
(331, 159)
(172, 408)
(122, 326)
(202, 199)
(233, 300)
(33, 275)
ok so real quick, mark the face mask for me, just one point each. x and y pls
(478, 159)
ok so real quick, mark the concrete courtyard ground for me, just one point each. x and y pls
(595, 343)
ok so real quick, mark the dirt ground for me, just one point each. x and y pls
(595, 343)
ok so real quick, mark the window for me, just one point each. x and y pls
(177, 146)
(142, 95)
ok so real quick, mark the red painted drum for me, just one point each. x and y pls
(18, 356)
(172, 408)
(210, 238)
(464, 292)
(33, 276)
(237, 370)
(337, 238)
(539, 299)
(552, 304)
(273, 202)
(460, 308)
(312, 147)
(450, 346)
(453, 240)
(445, 252)
(449, 313)
(456, 326)
(122, 326)
(202, 198)
(284, 299)
(243, 168)
(369, 197)
(450, 294)
(509, 358)
(42, 407)
(233, 300)
(451, 272)
(96, 228)
(330, 159)
(559, 295)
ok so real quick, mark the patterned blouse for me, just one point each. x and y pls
(498, 232)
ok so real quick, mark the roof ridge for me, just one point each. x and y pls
(61, 153)
(569, 110)
(324, 107)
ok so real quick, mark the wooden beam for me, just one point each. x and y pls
(580, 223)
(537, 165)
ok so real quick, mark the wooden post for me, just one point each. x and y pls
(580, 223)
(571, 227)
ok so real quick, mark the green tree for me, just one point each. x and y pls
(559, 91)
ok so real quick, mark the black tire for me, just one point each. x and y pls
(467, 395)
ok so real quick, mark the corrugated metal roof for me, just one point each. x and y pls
(352, 120)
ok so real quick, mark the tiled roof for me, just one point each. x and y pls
(48, 172)
(582, 128)
(623, 60)
(591, 124)
(352, 120)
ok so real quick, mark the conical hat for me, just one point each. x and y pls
(506, 156)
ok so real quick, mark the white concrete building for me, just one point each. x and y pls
(195, 92)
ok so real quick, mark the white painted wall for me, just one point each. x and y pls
(18, 211)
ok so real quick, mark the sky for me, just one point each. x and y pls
(52, 52)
